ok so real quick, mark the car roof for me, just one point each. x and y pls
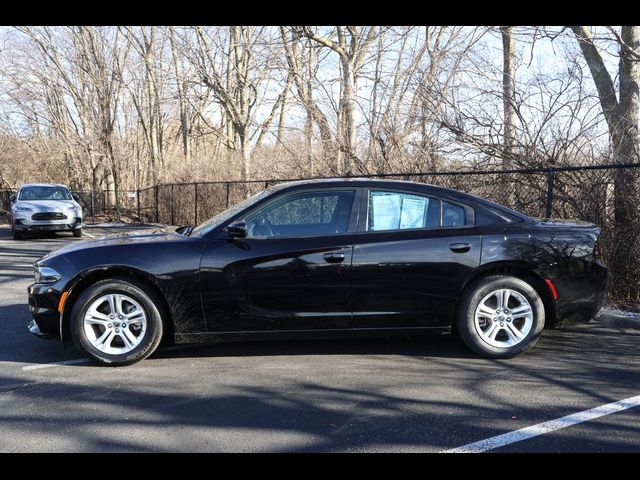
(374, 182)
(43, 185)
(399, 184)
(355, 181)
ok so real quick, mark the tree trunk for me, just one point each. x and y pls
(308, 133)
(245, 151)
(182, 94)
(508, 94)
(622, 119)
(347, 118)
(283, 109)
(624, 140)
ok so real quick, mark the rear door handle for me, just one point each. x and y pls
(460, 247)
(333, 257)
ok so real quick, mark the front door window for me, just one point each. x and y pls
(307, 214)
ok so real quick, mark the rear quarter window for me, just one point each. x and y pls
(453, 215)
(485, 217)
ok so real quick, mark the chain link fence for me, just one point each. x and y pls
(582, 193)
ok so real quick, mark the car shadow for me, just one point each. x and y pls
(410, 405)
(414, 346)
(18, 345)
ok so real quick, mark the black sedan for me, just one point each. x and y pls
(320, 259)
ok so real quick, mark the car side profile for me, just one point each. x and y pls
(322, 259)
(44, 207)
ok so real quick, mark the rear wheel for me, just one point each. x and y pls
(117, 322)
(500, 316)
(17, 234)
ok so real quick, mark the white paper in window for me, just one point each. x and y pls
(413, 210)
(386, 211)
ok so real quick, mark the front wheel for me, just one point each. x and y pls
(500, 316)
(77, 232)
(117, 322)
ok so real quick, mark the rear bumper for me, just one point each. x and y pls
(43, 304)
(582, 295)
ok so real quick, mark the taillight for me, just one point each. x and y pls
(597, 250)
(552, 288)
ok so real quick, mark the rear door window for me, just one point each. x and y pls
(389, 210)
(401, 211)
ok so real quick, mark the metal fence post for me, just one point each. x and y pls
(155, 194)
(173, 201)
(227, 194)
(93, 202)
(195, 204)
(138, 200)
(551, 173)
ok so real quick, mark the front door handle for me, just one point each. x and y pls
(333, 257)
(460, 247)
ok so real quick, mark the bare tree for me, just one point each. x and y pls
(146, 92)
(302, 63)
(181, 87)
(621, 113)
(87, 61)
(238, 82)
(351, 45)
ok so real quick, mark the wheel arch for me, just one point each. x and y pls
(523, 271)
(87, 278)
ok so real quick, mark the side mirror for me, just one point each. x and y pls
(12, 198)
(75, 197)
(237, 230)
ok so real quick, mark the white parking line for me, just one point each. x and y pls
(88, 235)
(547, 427)
(38, 366)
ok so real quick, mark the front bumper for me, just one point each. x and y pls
(34, 329)
(43, 304)
(25, 225)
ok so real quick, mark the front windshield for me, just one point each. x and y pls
(225, 215)
(44, 193)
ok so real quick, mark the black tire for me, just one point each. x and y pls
(17, 234)
(142, 294)
(471, 298)
(77, 232)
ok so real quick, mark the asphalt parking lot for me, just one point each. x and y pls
(404, 394)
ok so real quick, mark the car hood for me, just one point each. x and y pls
(46, 205)
(141, 237)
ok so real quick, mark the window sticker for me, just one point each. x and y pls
(413, 212)
(385, 211)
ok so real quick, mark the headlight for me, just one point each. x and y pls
(76, 209)
(23, 209)
(46, 275)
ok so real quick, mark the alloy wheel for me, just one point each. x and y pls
(503, 318)
(115, 323)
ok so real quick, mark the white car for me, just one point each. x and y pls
(45, 207)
